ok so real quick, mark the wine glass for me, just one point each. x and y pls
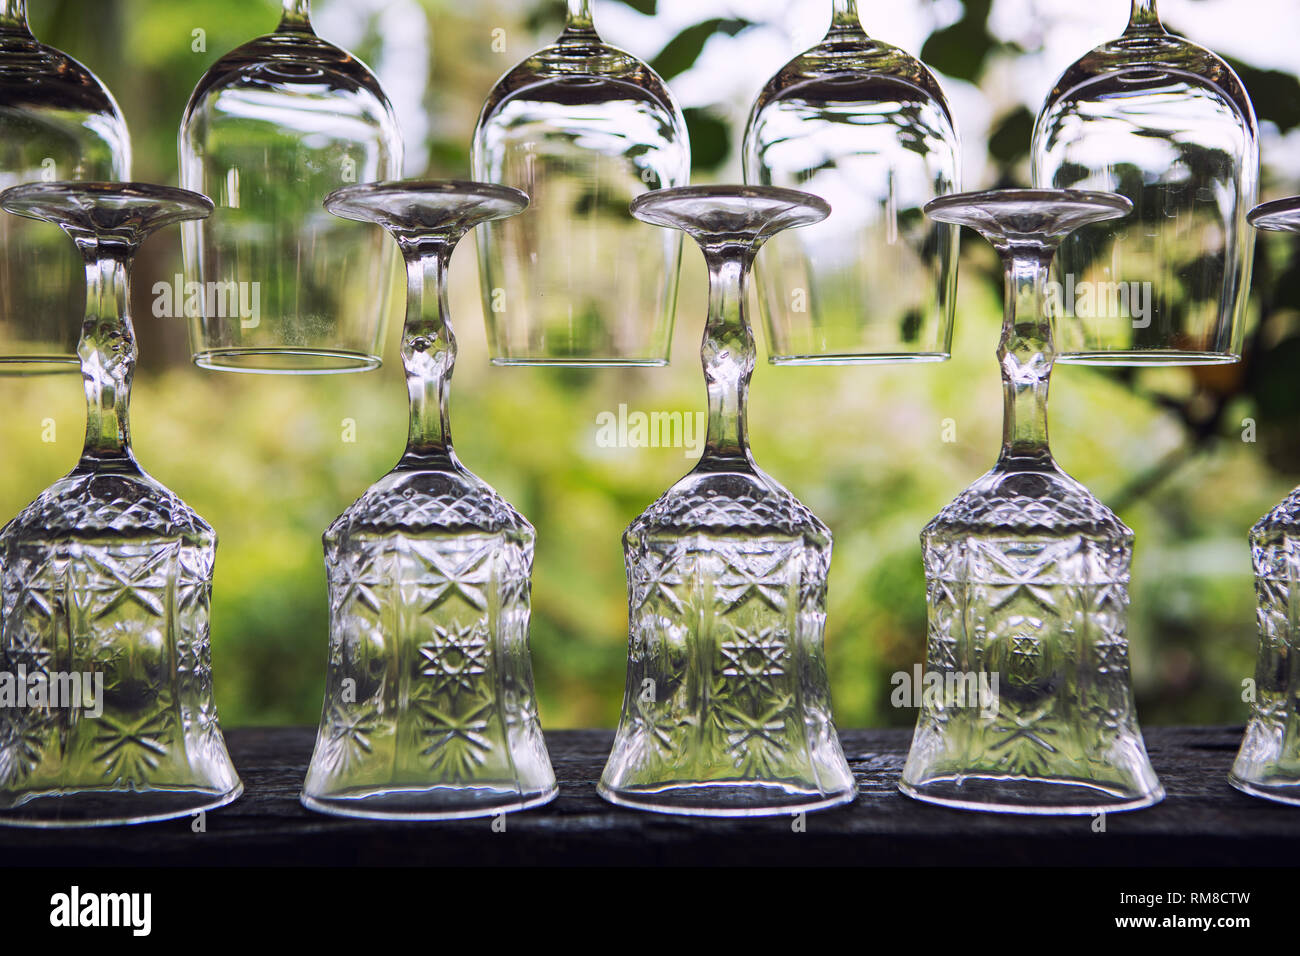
(727, 706)
(1027, 578)
(107, 576)
(1170, 126)
(57, 121)
(866, 127)
(583, 129)
(1268, 762)
(429, 709)
(270, 130)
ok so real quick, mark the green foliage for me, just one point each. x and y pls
(265, 460)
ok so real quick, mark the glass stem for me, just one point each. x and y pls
(13, 14)
(1144, 17)
(578, 20)
(1026, 355)
(296, 16)
(428, 351)
(844, 16)
(728, 357)
(108, 353)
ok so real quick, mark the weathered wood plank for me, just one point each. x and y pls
(1203, 821)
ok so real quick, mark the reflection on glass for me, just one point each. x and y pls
(57, 121)
(866, 127)
(270, 130)
(1168, 125)
(583, 129)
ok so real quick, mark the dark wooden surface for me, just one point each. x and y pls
(1202, 821)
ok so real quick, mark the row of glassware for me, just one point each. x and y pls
(429, 709)
(584, 129)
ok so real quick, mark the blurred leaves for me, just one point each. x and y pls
(1276, 95)
(961, 50)
(1010, 139)
(681, 52)
(710, 139)
(262, 460)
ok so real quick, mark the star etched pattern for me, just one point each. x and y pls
(132, 609)
(1270, 748)
(723, 623)
(456, 658)
(1042, 612)
(430, 682)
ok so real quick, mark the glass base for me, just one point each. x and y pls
(1286, 791)
(428, 803)
(27, 365)
(732, 798)
(286, 361)
(106, 808)
(849, 358)
(1043, 796)
(1124, 357)
(581, 362)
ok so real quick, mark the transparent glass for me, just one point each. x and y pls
(727, 707)
(57, 122)
(1170, 126)
(429, 708)
(866, 127)
(270, 130)
(1268, 763)
(107, 577)
(1027, 578)
(583, 129)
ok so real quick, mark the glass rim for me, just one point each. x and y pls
(738, 191)
(77, 189)
(1002, 197)
(1277, 215)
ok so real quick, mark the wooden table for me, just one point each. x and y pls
(1202, 821)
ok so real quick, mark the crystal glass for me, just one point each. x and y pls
(583, 129)
(57, 121)
(429, 709)
(1169, 125)
(866, 127)
(107, 577)
(727, 707)
(270, 130)
(1268, 763)
(1027, 578)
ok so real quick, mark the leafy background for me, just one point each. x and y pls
(265, 460)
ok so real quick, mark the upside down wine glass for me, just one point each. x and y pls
(582, 128)
(269, 131)
(727, 707)
(1169, 125)
(107, 577)
(1268, 762)
(429, 709)
(1027, 578)
(866, 127)
(57, 122)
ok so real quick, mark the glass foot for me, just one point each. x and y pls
(428, 803)
(1054, 797)
(732, 798)
(106, 808)
(1283, 791)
